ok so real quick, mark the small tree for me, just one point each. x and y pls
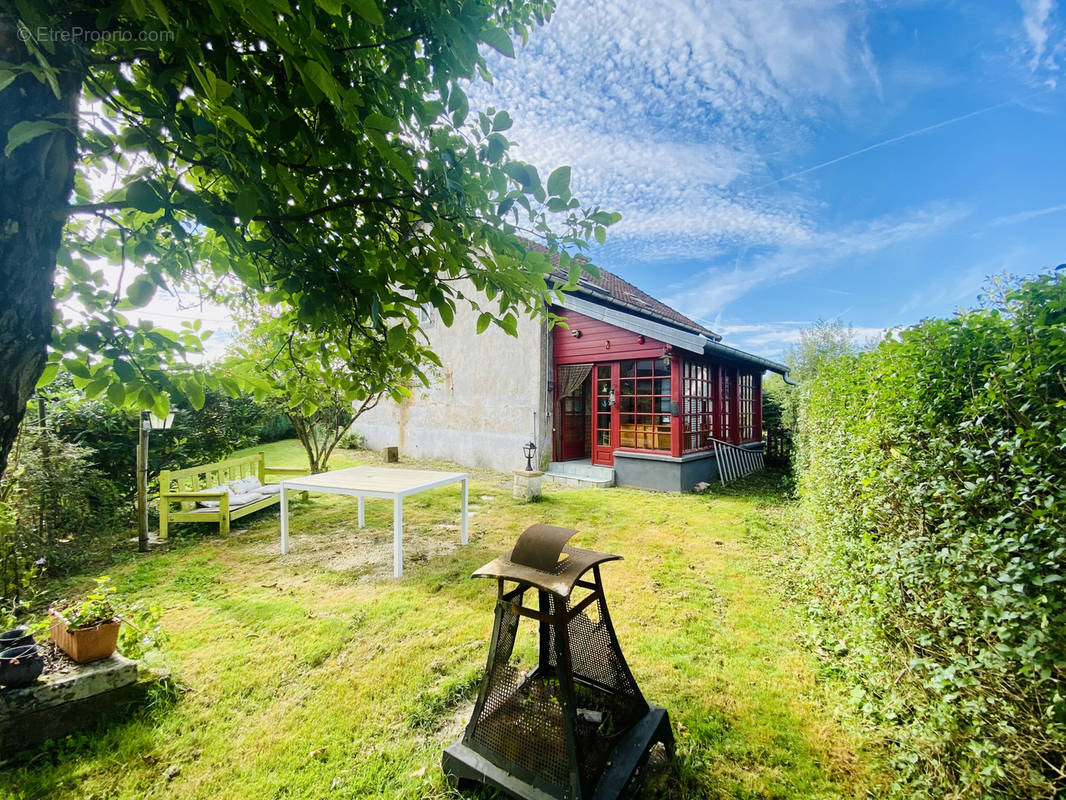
(323, 385)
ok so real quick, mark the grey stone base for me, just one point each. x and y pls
(62, 703)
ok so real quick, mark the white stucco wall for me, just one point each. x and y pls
(480, 409)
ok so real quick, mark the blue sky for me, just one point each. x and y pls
(711, 128)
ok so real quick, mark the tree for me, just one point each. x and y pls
(321, 156)
(322, 385)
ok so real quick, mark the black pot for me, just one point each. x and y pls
(20, 666)
(16, 637)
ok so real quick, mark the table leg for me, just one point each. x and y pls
(463, 537)
(397, 537)
(362, 511)
(284, 521)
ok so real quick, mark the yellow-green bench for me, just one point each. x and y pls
(189, 487)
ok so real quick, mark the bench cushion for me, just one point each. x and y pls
(236, 499)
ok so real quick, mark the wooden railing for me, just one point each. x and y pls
(736, 462)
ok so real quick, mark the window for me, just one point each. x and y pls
(746, 408)
(725, 408)
(697, 405)
(425, 315)
(644, 404)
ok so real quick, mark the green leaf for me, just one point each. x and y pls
(368, 10)
(26, 131)
(323, 80)
(600, 233)
(498, 40)
(238, 117)
(559, 182)
(502, 121)
(247, 203)
(143, 197)
(140, 291)
(161, 405)
(194, 391)
(95, 387)
(380, 122)
(483, 322)
(332, 7)
(116, 395)
(395, 337)
(48, 375)
(447, 314)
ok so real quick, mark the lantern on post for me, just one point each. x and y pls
(148, 422)
(528, 449)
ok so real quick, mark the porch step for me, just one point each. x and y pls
(579, 473)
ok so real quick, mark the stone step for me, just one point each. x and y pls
(583, 475)
(581, 469)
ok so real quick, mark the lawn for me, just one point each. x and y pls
(316, 674)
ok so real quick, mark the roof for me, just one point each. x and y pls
(616, 291)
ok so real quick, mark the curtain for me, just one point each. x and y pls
(571, 376)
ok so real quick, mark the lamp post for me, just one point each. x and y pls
(148, 422)
(528, 450)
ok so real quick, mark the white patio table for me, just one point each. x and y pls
(363, 482)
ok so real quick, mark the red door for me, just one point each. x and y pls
(574, 424)
(605, 418)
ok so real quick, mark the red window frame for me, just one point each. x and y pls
(697, 405)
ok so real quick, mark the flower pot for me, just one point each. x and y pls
(16, 637)
(85, 644)
(20, 666)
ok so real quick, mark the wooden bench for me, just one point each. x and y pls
(188, 487)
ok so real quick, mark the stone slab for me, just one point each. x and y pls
(56, 688)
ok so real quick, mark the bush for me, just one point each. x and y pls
(931, 469)
(224, 424)
(60, 509)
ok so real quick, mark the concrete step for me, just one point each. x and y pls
(576, 473)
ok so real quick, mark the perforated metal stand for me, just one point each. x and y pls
(576, 726)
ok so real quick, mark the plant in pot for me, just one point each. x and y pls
(88, 631)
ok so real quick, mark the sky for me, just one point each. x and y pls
(776, 163)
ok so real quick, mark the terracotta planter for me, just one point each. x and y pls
(85, 644)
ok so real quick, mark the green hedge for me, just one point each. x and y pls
(933, 470)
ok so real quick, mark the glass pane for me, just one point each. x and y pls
(626, 404)
(604, 438)
(603, 371)
(627, 387)
(662, 405)
(644, 405)
(626, 419)
(603, 404)
(603, 387)
(662, 386)
(628, 369)
(603, 421)
(645, 386)
(662, 367)
(645, 369)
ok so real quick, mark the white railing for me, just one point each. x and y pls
(735, 462)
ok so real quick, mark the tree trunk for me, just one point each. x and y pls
(35, 185)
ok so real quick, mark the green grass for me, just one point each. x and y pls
(316, 674)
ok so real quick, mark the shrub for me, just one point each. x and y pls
(931, 469)
(62, 508)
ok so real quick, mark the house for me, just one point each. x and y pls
(630, 391)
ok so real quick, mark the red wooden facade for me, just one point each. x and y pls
(644, 396)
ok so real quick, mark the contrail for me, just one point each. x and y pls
(895, 139)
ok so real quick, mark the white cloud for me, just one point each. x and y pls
(775, 338)
(1025, 216)
(665, 110)
(1036, 21)
(717, 286)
